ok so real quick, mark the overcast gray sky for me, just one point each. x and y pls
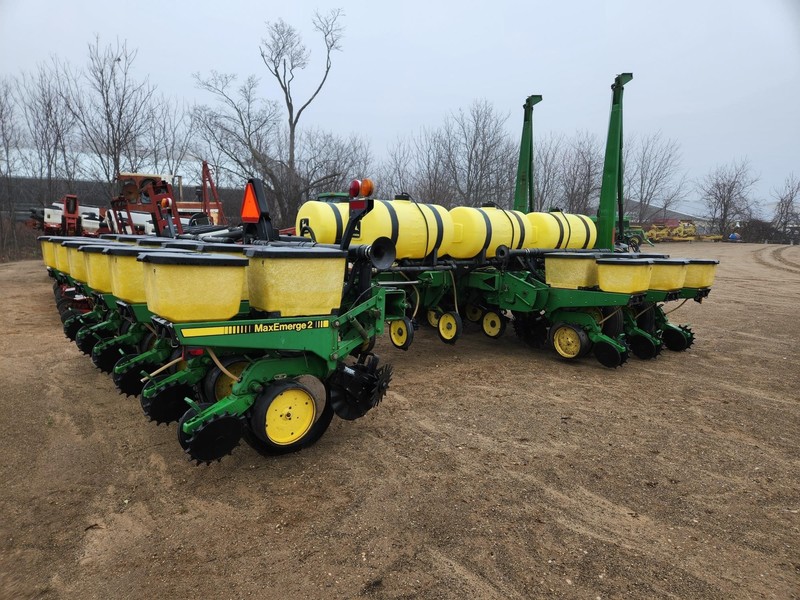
(722, 77)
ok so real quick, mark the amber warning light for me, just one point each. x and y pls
(250, 212)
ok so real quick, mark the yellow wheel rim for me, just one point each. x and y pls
(473, 313)
(567, 342)
(448, 328)
(290, 416)
(398, 333)
(492, 324)
(433, 318)
(224, 384)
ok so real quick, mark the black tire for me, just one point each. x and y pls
(646, 320)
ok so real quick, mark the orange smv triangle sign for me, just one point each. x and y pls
(250, 212)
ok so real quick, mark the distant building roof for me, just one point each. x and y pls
(656, 213)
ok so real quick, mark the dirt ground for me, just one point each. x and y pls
(489, 471)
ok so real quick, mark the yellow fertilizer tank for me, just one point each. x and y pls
(700, 272)
(668, 274)
(185, 286)
(295, 281)
(326, 219)
(561, 230)
(570, 270)
(624, 275)
(416, 229)
(487, 228)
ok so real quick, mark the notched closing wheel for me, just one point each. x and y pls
(213, 440)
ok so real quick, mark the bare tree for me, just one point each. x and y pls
(284, 55)
(581, 172)
(10, 146)
(726, 195)
(787, 209)
(242, 130)
(417, 166)
(653, 177)
(50, 128)
(111, 110)
(169, 135)
(331, 161)
(547, 157)
(480, 159)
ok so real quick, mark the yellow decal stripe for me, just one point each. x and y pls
(201, 331)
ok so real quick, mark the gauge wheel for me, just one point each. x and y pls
(569, 341)
(286, 418)
(432, 316)
(473, 313)
(450, 327)
(493, 324)
(401, 333)
(216, 384)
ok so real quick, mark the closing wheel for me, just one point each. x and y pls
(473, 313)
(130, 382)
(569, 341)
(643, 347)
(493, 324)
(432, 316)
(285, 418)
(72, 326)
(165, 403)
(106, 357)
(216, 384)
(212, 440)
(86, 339)
(608, 356)
(677, 339)
(64, 304)
(401, 333)
(449, 327)
(531, 328)
(68, 313)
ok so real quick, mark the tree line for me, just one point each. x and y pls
(64, 123)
